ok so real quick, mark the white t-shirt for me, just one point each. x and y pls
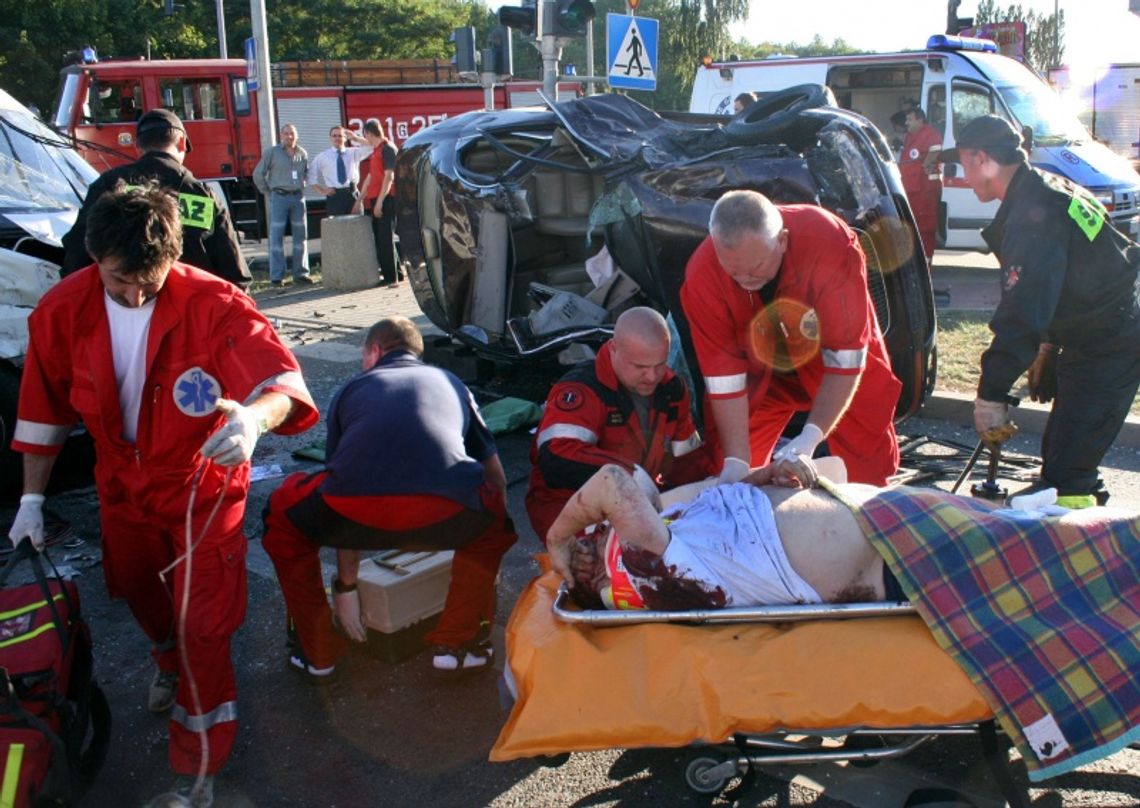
(129, 329)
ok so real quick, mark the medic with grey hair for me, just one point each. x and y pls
(782, 322)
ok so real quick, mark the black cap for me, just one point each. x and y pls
(158, 120)
(987, 133)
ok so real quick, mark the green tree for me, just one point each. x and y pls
(1044, 33)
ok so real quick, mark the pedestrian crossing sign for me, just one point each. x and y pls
(631, 52)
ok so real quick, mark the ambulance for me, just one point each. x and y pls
(954, 80)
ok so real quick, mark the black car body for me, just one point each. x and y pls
(498, 211)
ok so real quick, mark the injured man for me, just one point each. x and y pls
(752, 543)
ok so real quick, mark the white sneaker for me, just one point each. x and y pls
(163, 688)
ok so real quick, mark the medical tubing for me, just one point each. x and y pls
(184, 606)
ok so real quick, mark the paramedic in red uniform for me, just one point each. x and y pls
(410, 465)
(781, 320)
(154, 356)
(626, 407)
(918, 164)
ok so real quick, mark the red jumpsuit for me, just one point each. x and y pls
(827, 323)
(923, 189)
(206, 340)
(590, 420)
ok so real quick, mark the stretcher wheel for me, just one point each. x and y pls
(699, 776)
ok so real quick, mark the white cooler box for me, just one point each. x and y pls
(401, 594)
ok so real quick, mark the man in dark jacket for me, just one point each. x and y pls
(1069, 311)
(208, 238)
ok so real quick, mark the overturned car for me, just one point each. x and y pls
(530, 229)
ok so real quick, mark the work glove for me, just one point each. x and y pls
(346, 605)
(733, 471)
(29, 521)
(989, 415)
(794, 457)
(1043, 374)
(233, 444)
(643, 481)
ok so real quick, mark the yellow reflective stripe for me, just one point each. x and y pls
(29, 636)
(29, 608)
(11, 783)
(196, 210)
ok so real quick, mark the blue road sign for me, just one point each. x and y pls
(631, 52)
(251, 78)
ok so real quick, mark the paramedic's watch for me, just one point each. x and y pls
(342, 588)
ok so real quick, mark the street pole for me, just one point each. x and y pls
(220, 9)
(590, 56)
(267, 123)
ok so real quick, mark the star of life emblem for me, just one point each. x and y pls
(195, 392)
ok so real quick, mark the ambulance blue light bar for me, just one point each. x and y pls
(960, 43)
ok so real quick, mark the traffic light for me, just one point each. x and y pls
(571, 17)
(464, 39)
(524, 18)
(502, 54)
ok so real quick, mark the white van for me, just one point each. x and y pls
(965, 76)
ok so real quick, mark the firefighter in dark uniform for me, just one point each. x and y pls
(208, 238)
(1069, 311)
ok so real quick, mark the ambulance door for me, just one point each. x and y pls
(965, 215)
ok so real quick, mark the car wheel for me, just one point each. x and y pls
(773, 118)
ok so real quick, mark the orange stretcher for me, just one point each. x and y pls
(745, 686)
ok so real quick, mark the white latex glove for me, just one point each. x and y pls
(989, 415)
(29, 521)
(795, 455)
(733, 471)
(347, 608)
(233, 444)
(648, 487)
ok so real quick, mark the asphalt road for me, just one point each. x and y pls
(389, 734)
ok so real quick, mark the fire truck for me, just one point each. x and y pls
(99, 103)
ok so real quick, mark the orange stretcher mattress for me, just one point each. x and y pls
(583, 688)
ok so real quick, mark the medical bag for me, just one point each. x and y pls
(54, 720)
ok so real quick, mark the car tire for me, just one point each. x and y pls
(774, 118)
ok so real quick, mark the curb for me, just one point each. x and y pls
(1031, 417)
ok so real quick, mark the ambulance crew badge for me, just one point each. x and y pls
(569, 399)
(195, 392)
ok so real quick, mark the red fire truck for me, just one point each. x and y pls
(99, 103)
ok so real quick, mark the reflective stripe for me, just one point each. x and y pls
(226, 711)
(683, 447)
(852, 359)
(31, 635)
(571, 431)
(726, 385)
(41, 434)
(9, 788)
(31, 607)
(290, 378)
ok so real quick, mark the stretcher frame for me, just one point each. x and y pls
(710, 767)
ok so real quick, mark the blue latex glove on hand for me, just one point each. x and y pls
(233, 444)
(29, 521)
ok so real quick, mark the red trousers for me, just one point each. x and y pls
(398, 521)
(871, 455)
(143, 522)
(924, 206)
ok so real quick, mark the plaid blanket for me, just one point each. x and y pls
(1042, 614)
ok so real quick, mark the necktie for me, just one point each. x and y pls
(341, 171)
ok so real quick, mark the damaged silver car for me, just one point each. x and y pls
(527, 230)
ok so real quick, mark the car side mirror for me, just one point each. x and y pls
(1027, 138)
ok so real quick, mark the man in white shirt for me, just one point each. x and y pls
(335, 172)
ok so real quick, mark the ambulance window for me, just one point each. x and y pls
(969, 101)
(113, 102)
(193, 99)
(936, 108)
